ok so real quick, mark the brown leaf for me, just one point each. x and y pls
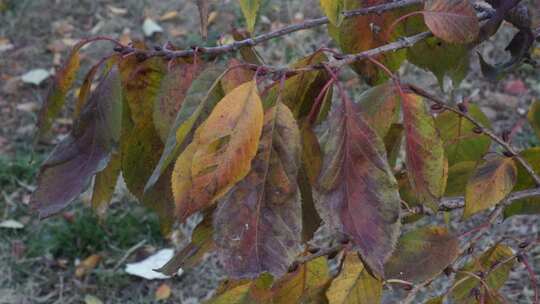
(258, 224)
(87, 265)
(163, 292)
(452, 20)
(358, 194)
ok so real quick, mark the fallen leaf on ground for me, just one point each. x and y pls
(117, 10)
(163, 292)
(36, 76)
(150, 27)
(11, 224)
(90, 299)
(5, 45)
(168, 16)
(86, 265)
(145, 268)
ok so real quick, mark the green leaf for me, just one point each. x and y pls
(491, 261)
(524, 181)
(380, 107)
(392, 143)
(426, 164)
(258, 223)
(357, 193)
(354, 284)
(458, 175)
(250, 8)
(453, 21)
(432, 247)
(534, 117)
(332, 9)
(461, 142)
(84, 152)
(491, 183)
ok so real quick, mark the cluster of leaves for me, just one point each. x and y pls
(267, 159)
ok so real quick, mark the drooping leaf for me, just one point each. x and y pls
(524, 181)
(426, 164)
(172, 93)
(392, 143)
(354, 284)
(453, 21)
(306, 284)
(141, 145)
(84, 152)
(250, 8)
(458, 175)
(249, 54)
(105, 183)
(366, 32)
(491, 261)
(199, 101)
(534, 117)
(461, 142)
(358, 195)
(490, 183)
(258, 223)
(432, 247)
(201, 243)
(63, 81)
(224, 146)
(204, 7)
(244, 291)
(332, 9)
(379, 106)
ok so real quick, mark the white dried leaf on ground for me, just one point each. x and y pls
(90, 299)
(150, 27)
(11, 224)
(145, 268)
(36, 76)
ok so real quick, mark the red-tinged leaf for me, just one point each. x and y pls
(392, 143)
(489, 184)
(63, 81)
(306, 284)
(492, 261)
(453, 21)
(250, 240)
(85, 151)
(426, 164)
(202, 96)
(358, 195)
(379, 106)
(432, 247)
(223, 147)
(201, 243)
(105, 183)
(354, 284)
(236, 75)
(172, 93)
(461, 142)
(361, 33)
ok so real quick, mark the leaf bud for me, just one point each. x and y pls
(478, 130)
(523, 244)
(436, 107)
(519, 257)
(462, 107)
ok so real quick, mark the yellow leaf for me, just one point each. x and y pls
(223, 147)
(86, 265)
(332, 9)
(354, 284)
(163, 292)
(250, 9)
(490, 183)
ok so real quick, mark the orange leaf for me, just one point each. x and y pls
(86, 265)
(163, 292)
(452, 20)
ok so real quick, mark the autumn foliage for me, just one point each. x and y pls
(270, 154)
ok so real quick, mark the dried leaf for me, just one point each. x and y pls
(426, 164)
(250, 8)
(358, 194)
(491, 182)
(150, 27)
(453, 21)
(332, 9)
(87, 265)
(86, 151)
(224, 146)
(461, 142)
(11, 224)
(498, 274)
(354, 284)
(432, 247)
(249, 240)
(163, 292)
(145, 268)
(35, 76)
